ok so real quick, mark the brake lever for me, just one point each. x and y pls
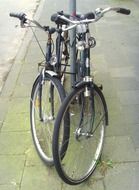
(23, 21)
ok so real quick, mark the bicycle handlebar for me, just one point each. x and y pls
(99, 13)
(116, 9)
(124, 11)
(20, 16)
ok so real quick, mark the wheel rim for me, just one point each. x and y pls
(42, 127)
(79, 160)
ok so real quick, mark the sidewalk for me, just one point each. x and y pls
(116, 67)
(11, 35)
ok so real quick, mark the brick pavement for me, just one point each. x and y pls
(116, 67)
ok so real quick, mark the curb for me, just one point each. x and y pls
(10, 82)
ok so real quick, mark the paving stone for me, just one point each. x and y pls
(88, 185)
(123, 72)
(34, 59)
(126, 84)
(114, 106)
(34, 54)
(41, 36)
(123, 177)
(33, 158)
(131, 113)
(29, 68)
(109, 90)
(101, 78)
(94, 182)
(116, 64)
(134, 132)
(119, 149)
(9, 187)
(4, 103)
(40, 177)
(16, 122)
(137, 152)
(14, 142)
(111, 53)
(100, 63)
(19, 105)
(132, 57)
(22, 91)
(130, 97)
(118, 125)
(26, 78)
(34, 47)
(1, 123)
(98, 185)
(11, 80)
(11, 169)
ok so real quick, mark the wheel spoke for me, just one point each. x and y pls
(45, 102)
(86, 135)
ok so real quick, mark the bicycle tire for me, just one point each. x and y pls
(77, 165)
(46, 97)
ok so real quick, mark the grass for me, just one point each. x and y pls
(103, 166)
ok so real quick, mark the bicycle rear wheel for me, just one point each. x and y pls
(46, 97)
(88, 118)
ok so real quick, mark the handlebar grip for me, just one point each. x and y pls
(124, 11)
(20, 16)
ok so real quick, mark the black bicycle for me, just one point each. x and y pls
(86, 108)
(47, 91)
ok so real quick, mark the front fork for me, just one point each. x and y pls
(87, 99)
(51, 97)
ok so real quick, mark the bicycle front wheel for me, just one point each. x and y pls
(87, 120)
(46, 97)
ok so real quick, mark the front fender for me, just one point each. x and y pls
(82, 83)
(51, 73)
(39, 76)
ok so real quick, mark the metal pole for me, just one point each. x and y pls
(72, 9)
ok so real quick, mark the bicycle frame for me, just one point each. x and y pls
(49, 51)
(54, 62)
(83, 47)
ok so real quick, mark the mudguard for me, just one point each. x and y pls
(51, 73)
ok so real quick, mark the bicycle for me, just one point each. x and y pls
(47, 91)
(86, 107)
